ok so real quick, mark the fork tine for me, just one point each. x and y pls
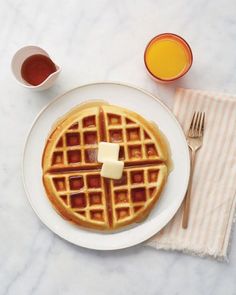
(199, 121)
(196, 123)
(203, 124)
(192, 124)
(199, 124)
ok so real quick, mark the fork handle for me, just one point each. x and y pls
(188, 193)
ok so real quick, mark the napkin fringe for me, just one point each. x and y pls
(180, 249)
(199, 253)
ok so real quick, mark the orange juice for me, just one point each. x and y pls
(167, 57)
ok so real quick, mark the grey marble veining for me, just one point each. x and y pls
(92, 41)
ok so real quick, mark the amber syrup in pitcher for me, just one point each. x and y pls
(36, 68)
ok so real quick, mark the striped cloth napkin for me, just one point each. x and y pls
(213, 196)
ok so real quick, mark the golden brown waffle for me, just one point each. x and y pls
(71, 173)
(74, 141)
(134, 195)
(79, 196)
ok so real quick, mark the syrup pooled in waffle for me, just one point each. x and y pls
(71, 173)
(134, 195)
(79, 196)
(139, 141)
(74, 142)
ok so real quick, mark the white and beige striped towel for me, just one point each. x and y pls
(213, 197)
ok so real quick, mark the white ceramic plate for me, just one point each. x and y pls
(139, 101)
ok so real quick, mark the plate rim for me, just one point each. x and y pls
(39, 114)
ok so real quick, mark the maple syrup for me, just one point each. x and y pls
(36, 68)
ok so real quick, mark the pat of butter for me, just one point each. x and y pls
(112, 169)
(108, 151)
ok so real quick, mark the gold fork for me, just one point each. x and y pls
(194, 140)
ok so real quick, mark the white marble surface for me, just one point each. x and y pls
(101, 40)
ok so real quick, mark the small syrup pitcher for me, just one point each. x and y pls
(34, 69)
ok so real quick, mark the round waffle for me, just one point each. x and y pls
(71, 173)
